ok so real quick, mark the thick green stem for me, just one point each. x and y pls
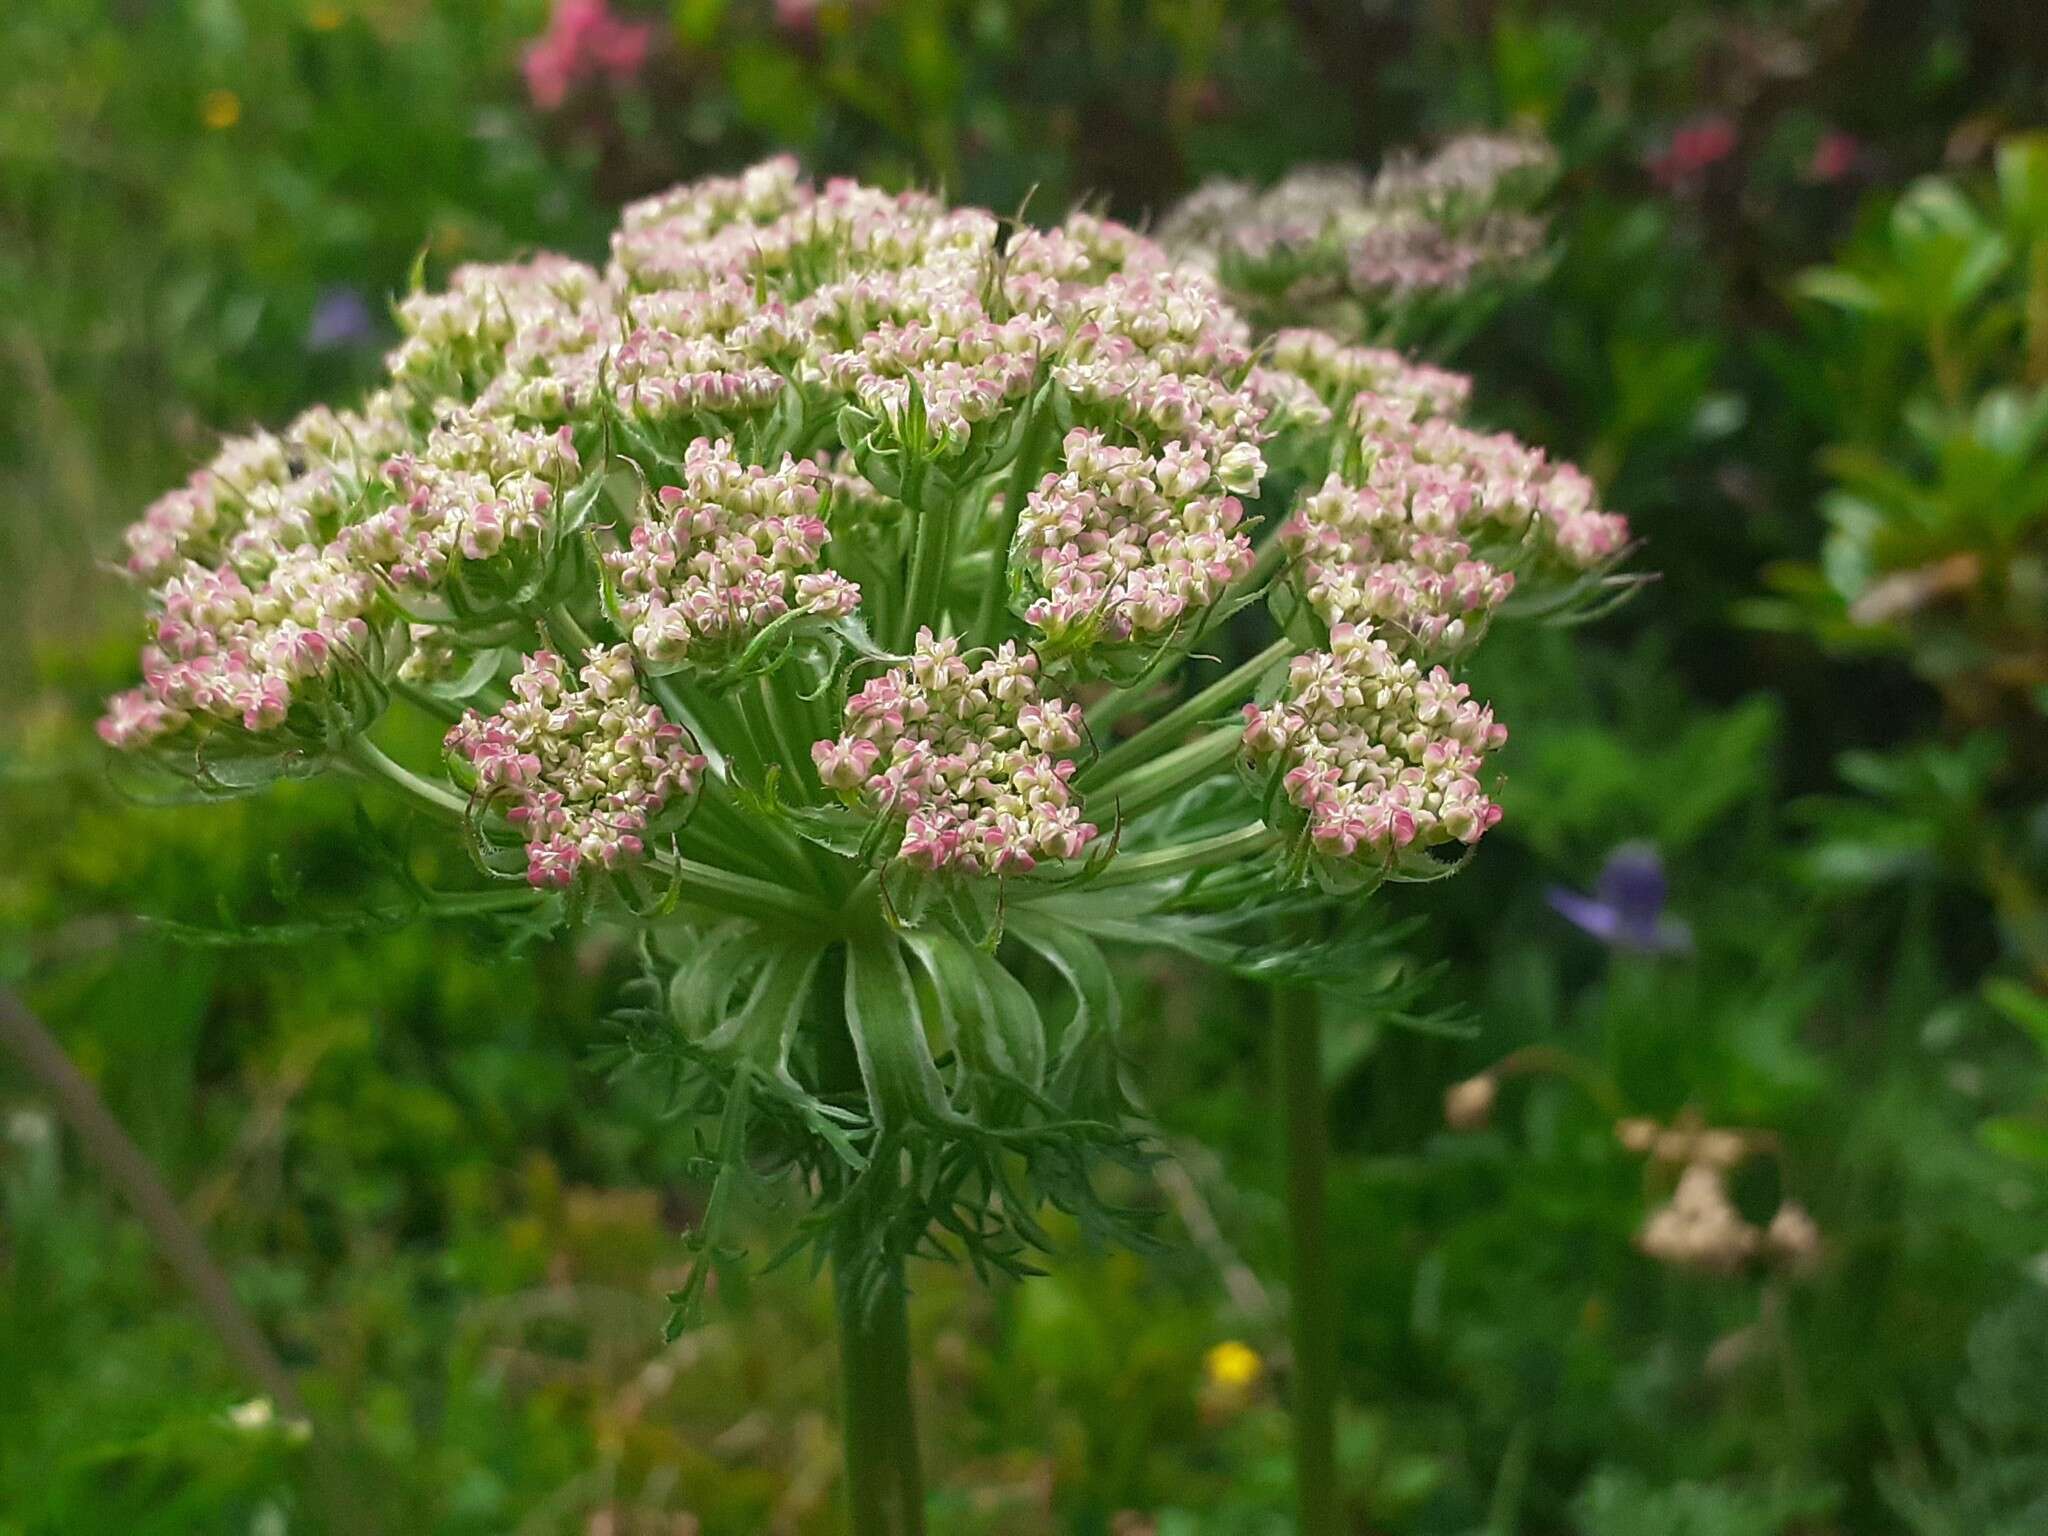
(720, 829)
(445, 710)
(1165, 732)
(931, 555)
(689, 715)
(1162, 863)
(775, 743)
(1024, 476)
(705, 885)
(1312, 1310)
(884, 1481)
(485, 903)
(712, 722)
(569, 631)
(1169, 775)
(366, 756)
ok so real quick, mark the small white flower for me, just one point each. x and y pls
(254, 1415)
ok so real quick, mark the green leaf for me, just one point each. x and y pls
(764, 1029)
(2023, 184)
(703, 984)
(994, 1024)
(2017, 1137)
(1085, 1066)
(887, 1026)
(1844, 290)
(2021, 1004)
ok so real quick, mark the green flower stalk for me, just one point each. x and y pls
(801, 590)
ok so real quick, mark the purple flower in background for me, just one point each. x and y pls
(1626, 909)
(341, 318)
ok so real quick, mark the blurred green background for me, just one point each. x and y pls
(1798, 329)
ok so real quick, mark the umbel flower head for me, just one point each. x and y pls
(971, 759)
(578, 770)
(729, 552)
(858, 597)
(1369, 754)
(1413, 254)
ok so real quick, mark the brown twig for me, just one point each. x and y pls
(1175, 1176)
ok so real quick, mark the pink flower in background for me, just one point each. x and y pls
(1694, 148)
(584, 41)
(797, 16)
(1835, 157)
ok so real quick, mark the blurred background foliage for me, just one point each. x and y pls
(1797, 325)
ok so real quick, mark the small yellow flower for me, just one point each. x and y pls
(1232, 1365)
(220, 109)
(325, 18)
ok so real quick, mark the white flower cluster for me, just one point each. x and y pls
(1509, 490)
(263, 495)
(1408, 254)
(1339, 372)
(741, 288)
(1699, 1226)
(725, 554)
(478, 489)
(494, 328)
(1391, 552)
(1122, 543)
(813, 383)
(1159, 353)
(1422, 535)
(223, 651)
(1374, 755)
(579, 771)
(1048, 268)
(1474, 172)
(964, 370)
(1329, 243)
(971, 759)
